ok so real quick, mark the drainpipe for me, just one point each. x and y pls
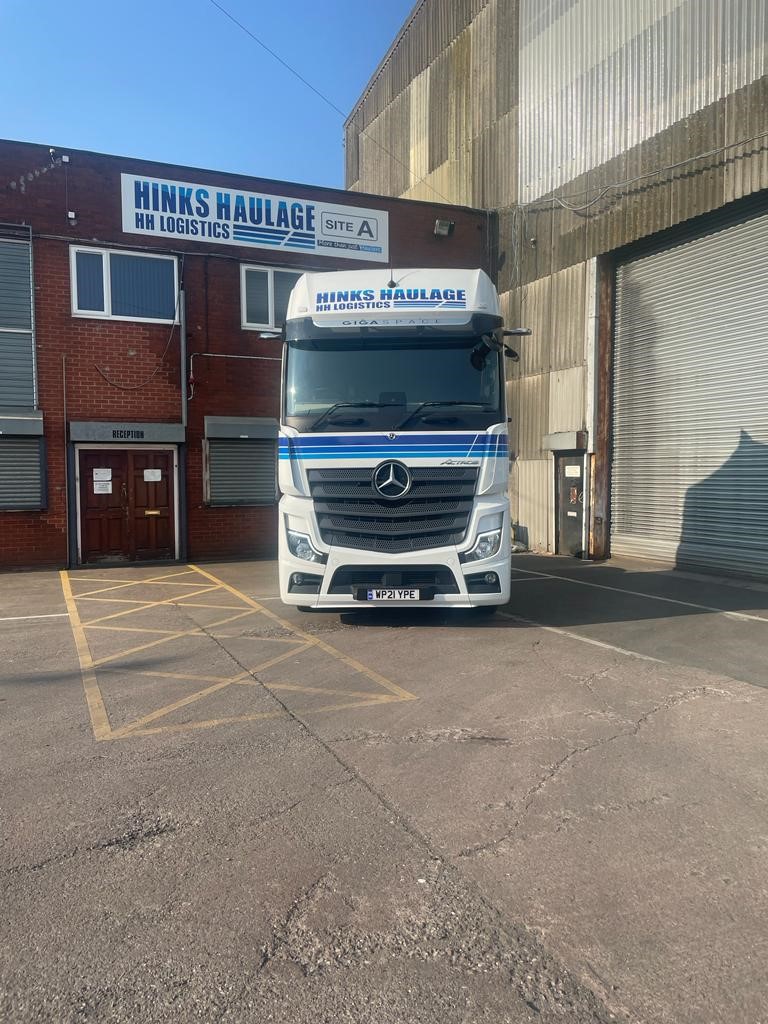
(183, 357)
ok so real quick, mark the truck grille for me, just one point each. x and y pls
(437, 578)
(434, 513)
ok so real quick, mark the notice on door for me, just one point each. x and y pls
(102, 486)
(102, 474)
(573, 471)
(152, 476)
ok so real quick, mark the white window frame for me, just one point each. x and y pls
(106, 313)
(270, 271)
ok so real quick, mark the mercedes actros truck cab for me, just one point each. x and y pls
(393, 454)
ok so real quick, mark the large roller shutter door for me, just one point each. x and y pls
(690, 403)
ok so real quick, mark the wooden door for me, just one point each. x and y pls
(127, 505)
(103, 500)
(151, 530)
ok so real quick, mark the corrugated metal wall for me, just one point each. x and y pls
(598, 77)
(438, 122)
(577, 120)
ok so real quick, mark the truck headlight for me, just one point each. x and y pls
(301, 546)
(486, 545)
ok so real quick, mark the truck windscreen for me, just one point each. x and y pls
(377, 384)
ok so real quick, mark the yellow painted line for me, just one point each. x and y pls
(209, 724)
(93, 698)
(382, 698)
(261, 639)
(131, 629)
(255, 717)
(199, 604)
(144, 647)
(171, 575)
(168, 709)
(350, 662)
(190, 679)
(159, 583)
(133, 583)
(111, 600)
(145, 607)
(103, 590)
(197, 631)
(262, 666)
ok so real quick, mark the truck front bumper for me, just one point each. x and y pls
(438, 571)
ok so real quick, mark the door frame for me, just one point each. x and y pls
(88, 447)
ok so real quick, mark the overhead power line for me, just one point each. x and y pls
(603, 190)
(322, 96)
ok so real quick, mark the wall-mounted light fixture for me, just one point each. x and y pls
(72, 217)
(443, 228)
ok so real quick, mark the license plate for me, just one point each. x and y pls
(389, 594)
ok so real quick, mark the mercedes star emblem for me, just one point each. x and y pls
(392, 480)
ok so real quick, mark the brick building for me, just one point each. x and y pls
(140, 313)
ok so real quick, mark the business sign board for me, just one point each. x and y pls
(204, 213)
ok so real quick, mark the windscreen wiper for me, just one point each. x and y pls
(425, 405)
(344, 405)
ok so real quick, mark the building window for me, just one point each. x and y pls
(264, 296)
(124, 285)
(240, 460)
(22, 474)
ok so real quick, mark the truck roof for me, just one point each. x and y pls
(392, 296)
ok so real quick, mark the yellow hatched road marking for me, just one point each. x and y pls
(321, 644)
(299, 642)
(162, 712)
(146, 606)
(255, 717)
(197, 631)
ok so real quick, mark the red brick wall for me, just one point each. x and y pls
(128, 353)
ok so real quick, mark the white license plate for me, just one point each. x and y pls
(387, 594)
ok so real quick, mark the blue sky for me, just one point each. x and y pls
(175, 80)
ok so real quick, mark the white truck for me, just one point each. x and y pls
(393, 452)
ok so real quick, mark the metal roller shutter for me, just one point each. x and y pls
(690, 403)
(242, 472)
(22, 473)
(17, 360)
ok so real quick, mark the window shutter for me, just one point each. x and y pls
(22, 473)
(242, 472)
(17, 359)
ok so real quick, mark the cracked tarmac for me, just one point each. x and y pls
(564, 820)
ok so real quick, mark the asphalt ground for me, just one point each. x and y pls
(216, 808)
